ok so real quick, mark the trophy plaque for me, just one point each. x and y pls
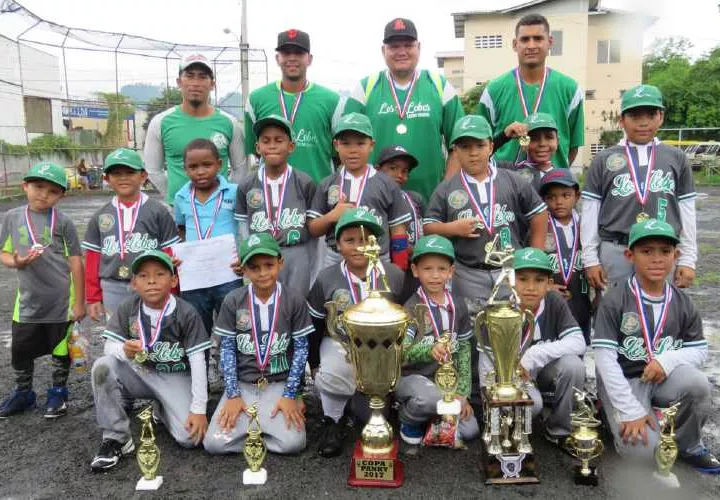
(254, 450)
(148, 454)
(666, 451)
(584, 442)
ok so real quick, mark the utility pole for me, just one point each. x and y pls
(244, 73)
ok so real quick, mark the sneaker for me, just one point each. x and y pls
(17, 402)
(411, 434)
(703, 461)
(56, 402)
(332, 438)
(110, 453)
(558, 441)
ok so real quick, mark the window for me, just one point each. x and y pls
(38, 115)
(488, 42)
(596, 148)
(457, 72)
(557, 47)
(608, 51)
(589, 95)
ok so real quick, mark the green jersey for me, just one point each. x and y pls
(425, 129)
(312, 118)
(562, 98)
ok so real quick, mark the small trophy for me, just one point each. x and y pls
(446, 379)
(148, 454)
(584, 442)
(667, 450)
(254, 450)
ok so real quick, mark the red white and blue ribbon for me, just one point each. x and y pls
(402, 110)
(196, 218)
(538, 99)
(489, 220)
(351, 284)
(274, 219)
(652, 338)
(296, 106)
(449, 307)
(566, 271)
(121, 223)
(154, 332)
(52, 217)
(642, 190)
(363, 182)
(416, 220)
(263, 356)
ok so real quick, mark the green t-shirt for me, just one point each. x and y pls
(562, 98)
(433, 110)
(319, 109)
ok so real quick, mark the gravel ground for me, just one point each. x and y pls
(42, 459)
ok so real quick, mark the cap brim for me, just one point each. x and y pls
(265, 122)
(375, 229)
(541, 127)
(474, 135)
(422, 254)
(198, 63)
(349, 129)
(259, 251)
(37, 178)
(121, 164)
(292, 44)
(399, 37)
(674, 239)
(561, 182)
(144, 258)
(413, 161)
(520, 267)
(643, 104)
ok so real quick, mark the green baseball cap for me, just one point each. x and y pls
(359, 217)
(355, 122)
(259, 244)
(540, 120)
(124, 156)
(157, 255)
(48, 171)
(532, 258)
(651, 228)
(642, 95)
(433, 245)
(276, 120)
(471, 126)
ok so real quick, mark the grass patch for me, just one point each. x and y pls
(710, 278)
(708, 248)
(702, 179)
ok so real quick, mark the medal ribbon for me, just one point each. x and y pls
(402, 111)
(362, 185)
(565, 272)
(121, 223)
(52, 218)
(641, 194)
(530, 329)
(274, 219)
(196, 218)
(449, 306)
(296, 106)
(541, 92)
(263, 357)
(487, 222)
(351, 284)
(154, 332)
(651, 337)
(415, 218)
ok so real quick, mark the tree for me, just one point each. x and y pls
(170, 97)
(471, 98)
(703, 90)
(119, 108)
(667, 66)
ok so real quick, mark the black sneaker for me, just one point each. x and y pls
(56, 402)
(110, 453)
(558, 441)
(332, 439)
(17, 402)
(703, 461)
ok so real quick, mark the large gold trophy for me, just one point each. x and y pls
(584, 442)
(508, 456)
(148, 454)
(666, 451)
(372, 333)
(254, 450)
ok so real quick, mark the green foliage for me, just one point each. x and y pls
(119, 108)
(610, 137)
(170, 97)
(44, 145)
(471, 98)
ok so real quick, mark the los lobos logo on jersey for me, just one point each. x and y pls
(660, 182)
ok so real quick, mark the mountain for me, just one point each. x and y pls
(141, 93)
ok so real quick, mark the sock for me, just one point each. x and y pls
(333, 406)
(60, 370)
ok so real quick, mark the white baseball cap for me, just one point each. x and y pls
(191, 59)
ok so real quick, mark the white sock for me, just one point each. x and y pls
(333, 406)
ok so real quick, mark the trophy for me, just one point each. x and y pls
(254, 450)
(584, 442)
(372, 333)
(148, 454)
(446, 379)
(508, 456)
(666, 451)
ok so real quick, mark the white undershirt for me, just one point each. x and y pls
(356, 183)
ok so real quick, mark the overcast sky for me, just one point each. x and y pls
(345, 36)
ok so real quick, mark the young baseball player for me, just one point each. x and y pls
(118, 232)
(480, 203)
(42, 244)
(561, 192)
(432, 264)
(275, 200)
(638, 179)
(542, 131)
(649, 347)
(551, 347)
(264, 330)
(155, 349)
(345, 284)
(358, 184)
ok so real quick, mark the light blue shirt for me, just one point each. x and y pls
(225, 221)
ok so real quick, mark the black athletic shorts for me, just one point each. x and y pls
(32, 340)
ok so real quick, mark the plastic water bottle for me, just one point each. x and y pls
(79, 348)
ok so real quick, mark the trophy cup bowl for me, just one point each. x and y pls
(585, 444)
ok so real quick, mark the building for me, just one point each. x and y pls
(452, 63)
(600, 48)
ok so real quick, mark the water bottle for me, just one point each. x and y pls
(79, 348)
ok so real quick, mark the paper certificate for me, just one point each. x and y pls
(206, 263)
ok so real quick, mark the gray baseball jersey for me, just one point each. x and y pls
(293, 322)
(416, 207)
(182, 334)
(251, 208)
(617, 327)
(515, 203)
(44, 292)
(609, 182)
(382, 197)
(154, 229)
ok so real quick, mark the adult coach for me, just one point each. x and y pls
(173, 129)
(532, 87)
(310, 108)
(415, 109)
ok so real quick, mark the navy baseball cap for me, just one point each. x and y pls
(396, 151)
(560, 176)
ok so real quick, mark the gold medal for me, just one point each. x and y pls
(488, 247)
(262, 383)
(401, 129)
(141, 357)
(642, 217)
(124, 272)
(524, 142)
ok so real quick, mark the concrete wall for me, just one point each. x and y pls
(453, 70)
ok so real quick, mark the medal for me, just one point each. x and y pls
(351, 285)
(281, 96)
(274, 219)
(539, 97)
(37, 246)
(124, 272)
(262, 383)
(148, 344)
(642, 190)
(449, 306)
(362, 186)
(524, 142)
(401, 129)
(262, 357)
(642, 217)
(141, 357)
(196, 218)
(566, 266)
(486, 222)
(651, 338)
(121, 224)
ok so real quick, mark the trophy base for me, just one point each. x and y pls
(259, 477)
(149, 484)
(376, 471)
(669, 481)
(511, 468)
(445, 408)
(589, 480)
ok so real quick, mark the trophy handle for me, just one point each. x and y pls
(480, 320)
(331, 323)
(417, 319)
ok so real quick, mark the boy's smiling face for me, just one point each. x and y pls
(125, 181)
(532, 286)
(653, 258)
(641, 124)
(153, 282)
(348, 242)
(353, 149)
(433, 272)
(543, 144)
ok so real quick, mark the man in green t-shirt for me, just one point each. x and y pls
(529, 88)
(170, 131)
(412, 108)
(310, 108)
